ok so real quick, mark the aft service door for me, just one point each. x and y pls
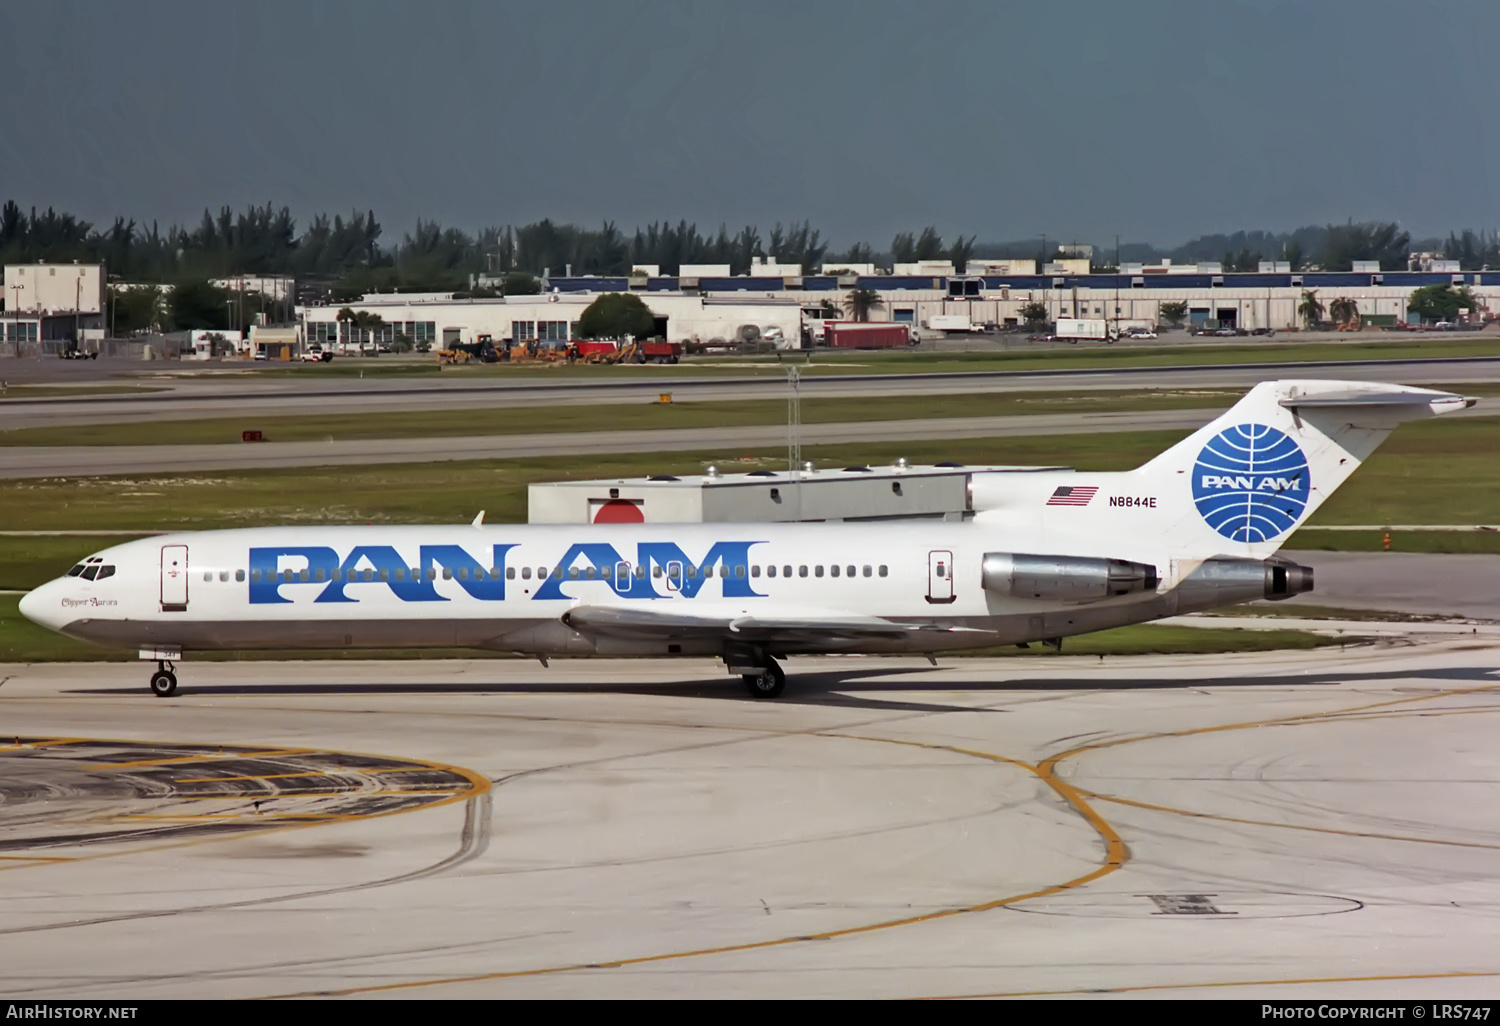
(174, 578)
(940, 576)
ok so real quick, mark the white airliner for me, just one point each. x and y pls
(1044, 555)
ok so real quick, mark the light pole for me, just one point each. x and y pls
(15, 306)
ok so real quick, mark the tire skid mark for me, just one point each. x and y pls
(257, 788)
(1116, 854)
(1353, 714)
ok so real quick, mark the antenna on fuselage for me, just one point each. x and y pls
(479, 520)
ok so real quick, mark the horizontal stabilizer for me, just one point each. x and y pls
(1410, 399)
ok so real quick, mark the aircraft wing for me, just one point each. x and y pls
(653, 623)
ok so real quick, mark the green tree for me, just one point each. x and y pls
(859, 303)
(1294, 255)
(1173, 313)
(140, 308)
(1034, 313)
(1440, 302)
(960, 252)
(615, 315)
(197, 305)
(519, 283)
(1310, 309)
(1344, 310)
(368, 323)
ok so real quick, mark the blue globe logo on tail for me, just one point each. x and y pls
(1251, 483)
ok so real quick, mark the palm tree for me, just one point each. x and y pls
(1310, 309)
(859, 303)
(1344, 311)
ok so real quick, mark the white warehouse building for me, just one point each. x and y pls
(553, 317)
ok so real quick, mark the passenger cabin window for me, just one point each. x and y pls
(510, 573)
(868, 571)
(755, 570)
(834, 570)
(771, 570)
(801, 571)
(255, 575)
(882, 571)
(818, 570)
(400, 573)
(208, 575)
(851, 571)
(447, 573)
(239, 575)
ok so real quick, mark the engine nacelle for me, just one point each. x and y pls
(1064, 578)
(1225, 580)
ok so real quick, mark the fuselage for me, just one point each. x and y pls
(509, 587)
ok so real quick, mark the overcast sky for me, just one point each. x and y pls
(1154, 119)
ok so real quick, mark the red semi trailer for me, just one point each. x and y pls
(867, 334)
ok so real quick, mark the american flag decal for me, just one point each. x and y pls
(1073, 495)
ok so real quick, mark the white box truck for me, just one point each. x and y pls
(1077, 328)
(951, 322)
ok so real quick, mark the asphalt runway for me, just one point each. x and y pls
(1421, 583)
(193, 394)
(1278, 825)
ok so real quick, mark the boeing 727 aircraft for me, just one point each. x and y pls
(1044, 555)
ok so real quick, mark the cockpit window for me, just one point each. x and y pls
(91, 572)
(105, 571)
(76, 570)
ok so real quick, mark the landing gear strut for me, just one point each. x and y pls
(164, 681)
(767, 683)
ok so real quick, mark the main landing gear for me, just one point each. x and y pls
(769, 682)
(164, 681)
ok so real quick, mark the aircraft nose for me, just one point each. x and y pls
(40, 606)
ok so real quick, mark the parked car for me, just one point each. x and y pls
(1140, 333)
(1267, 332)
(315, 355)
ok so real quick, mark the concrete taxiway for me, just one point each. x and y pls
(65, 461)
(1286, 825)
(191, 394)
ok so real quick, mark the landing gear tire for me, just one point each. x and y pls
(769, 683)
(163, 683)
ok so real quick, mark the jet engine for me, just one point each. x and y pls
(1226, 580)
(1064, 578)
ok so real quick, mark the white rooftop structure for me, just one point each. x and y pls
(895, 492)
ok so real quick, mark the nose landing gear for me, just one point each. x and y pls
(164, 681)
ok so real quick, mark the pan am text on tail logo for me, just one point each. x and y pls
(1251, 483)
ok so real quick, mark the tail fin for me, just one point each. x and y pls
(1259, 471)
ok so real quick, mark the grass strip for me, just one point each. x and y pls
(501, 420)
